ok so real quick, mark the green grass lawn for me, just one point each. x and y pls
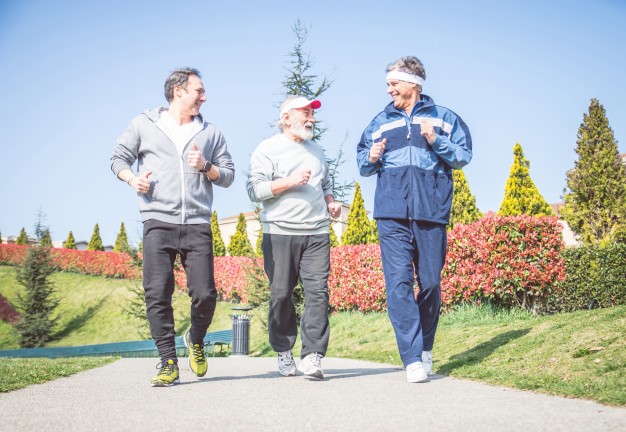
(581, 354)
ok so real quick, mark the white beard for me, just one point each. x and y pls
(301, 131)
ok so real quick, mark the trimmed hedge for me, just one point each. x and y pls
(595, 278)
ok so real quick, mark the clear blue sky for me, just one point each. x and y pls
(75, 72)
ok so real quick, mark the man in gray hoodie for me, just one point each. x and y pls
(180, 157)
(289, 175)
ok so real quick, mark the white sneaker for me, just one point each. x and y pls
(286, 364)
(311, 365)
(415, 373)
(427, 362)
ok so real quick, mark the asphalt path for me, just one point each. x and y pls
(241, 393)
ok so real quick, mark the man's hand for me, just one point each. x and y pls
(334, 209)
(300, 178)
(428, 131)
(377, 150)
(194, 158)
(141, 183)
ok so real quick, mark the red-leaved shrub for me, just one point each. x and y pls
(356, 279)
(509, 261)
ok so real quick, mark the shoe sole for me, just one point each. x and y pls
(318, 374)
(288, 373)
(417, 380)
(162, 384)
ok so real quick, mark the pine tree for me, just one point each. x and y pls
(70, 243)
(464, 209)
(22, 239)
(121, 242)
(37, 303)
(218, 244)
(334, 242)
(521, 196)
(595, 196)
(95, 244)
(358, 228)
(46, 239)
(240, 243)
(300, 81)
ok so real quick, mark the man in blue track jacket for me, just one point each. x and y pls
(412, 147)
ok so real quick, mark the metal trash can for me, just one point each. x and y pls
(241, 331)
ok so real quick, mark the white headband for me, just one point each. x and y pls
(403, 76)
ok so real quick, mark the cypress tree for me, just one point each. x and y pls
(22, 239)
(70, 243)
(595, 196)
(240, 243)
(334, 242)
(358, 229)
(464, 209)
(0, 238)
(259, 242)
(521, 196)
(121, 242)
(374, 232)
(46, 239)
(218, 244)
(37, 303)
(95, 244)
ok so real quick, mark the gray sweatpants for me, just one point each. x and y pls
(287, 258)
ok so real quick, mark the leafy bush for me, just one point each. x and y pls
(503, 261)
(108, 264)
(595, 278)
(506, 261)
(356, 278)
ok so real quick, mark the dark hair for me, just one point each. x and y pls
(178, 77)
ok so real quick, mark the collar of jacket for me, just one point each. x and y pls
(424, 102)
(153, 114)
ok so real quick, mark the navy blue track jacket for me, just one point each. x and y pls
(415, 178)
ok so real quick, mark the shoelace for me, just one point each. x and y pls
(316, 359)
(287, 359)
(198, 353)
(165, 369)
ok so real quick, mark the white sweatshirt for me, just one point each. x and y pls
(300, 210)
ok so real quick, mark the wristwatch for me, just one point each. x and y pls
(207, 166)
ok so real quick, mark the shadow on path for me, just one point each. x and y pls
(330, 374)
(480, 352)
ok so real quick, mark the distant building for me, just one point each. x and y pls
(13, 239)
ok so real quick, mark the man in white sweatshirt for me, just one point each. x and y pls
(289, 175)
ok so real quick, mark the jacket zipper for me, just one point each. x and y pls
(408, 138)
(182, 182)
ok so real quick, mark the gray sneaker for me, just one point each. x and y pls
(311, 365)
(427, 362)
(286, 364)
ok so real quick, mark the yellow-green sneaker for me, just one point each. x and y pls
(167, 376)
(197, 359)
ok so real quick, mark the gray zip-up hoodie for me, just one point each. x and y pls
(178, 193)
